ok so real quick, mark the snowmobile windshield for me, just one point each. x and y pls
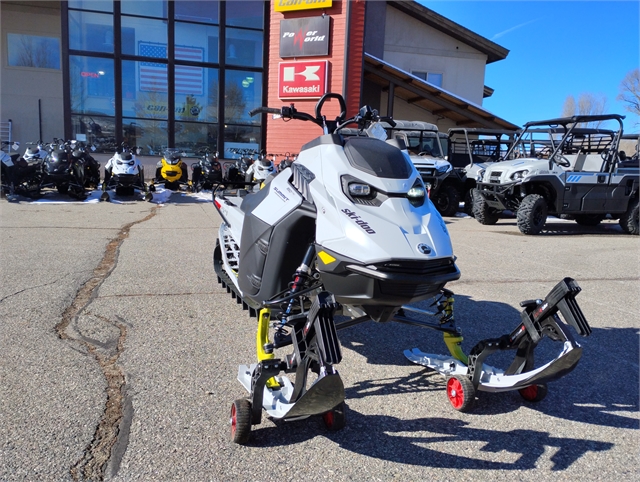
(172, 157)
(377, 158)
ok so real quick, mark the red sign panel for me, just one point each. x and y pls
(302, 80)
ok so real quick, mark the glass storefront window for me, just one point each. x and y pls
(243, 92)
(240, 137)
(100, 5)
(144, 37)
(90, 31)
(94, 130)
(199, 11)
(33, 51)
(191, 137)
(92, 85)
(196, 94)
(144, 90)
(146, 8)
(197, 43)
(151, 136)
(245, 14)
(244, 47)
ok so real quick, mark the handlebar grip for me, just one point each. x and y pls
(264, 110)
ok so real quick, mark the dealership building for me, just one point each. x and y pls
(186, 74)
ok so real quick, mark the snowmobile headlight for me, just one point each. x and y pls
(516, 176)
(480, 175)
(131, 163)
(357, 189)
(417, 193)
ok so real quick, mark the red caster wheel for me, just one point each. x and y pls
(533, 393)
(240, 421)
(461, 393)
(335, 419)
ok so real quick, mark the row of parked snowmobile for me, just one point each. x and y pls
(66, 166)
(69, 168)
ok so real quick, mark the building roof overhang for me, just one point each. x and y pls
(439, 102)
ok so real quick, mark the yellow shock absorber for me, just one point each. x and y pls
(453, 344)
(453, 341)
(262, 338)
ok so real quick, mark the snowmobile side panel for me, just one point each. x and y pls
(275, 249)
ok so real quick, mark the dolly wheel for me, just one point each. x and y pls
(461, 393)
(240, 421)
(335, 419)
(533, 393)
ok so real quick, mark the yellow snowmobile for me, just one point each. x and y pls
(172, 171)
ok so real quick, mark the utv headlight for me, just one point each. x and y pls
(516, 176)
(443, 168)
(480, 175)
(417, 193)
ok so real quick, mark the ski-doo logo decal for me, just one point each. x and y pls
(363, 224)
(424, 248)
(281, 194)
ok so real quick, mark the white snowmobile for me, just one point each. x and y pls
(124, 173)
(347, 229)
(260, 170)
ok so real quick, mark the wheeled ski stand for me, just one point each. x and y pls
(316, 349)
(468, 374)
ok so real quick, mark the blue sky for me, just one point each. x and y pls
(557, 48)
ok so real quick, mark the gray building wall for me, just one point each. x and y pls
(22, 87)
(411, 45)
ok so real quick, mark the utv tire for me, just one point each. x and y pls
(461, 393)
(241, 421)
(447, 200)
(629, 220)
(589, 219)
(468, 202)
(481, 210)
(532, 214)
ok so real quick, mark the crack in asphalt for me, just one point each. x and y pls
(96, 457)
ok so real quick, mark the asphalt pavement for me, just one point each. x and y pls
(120, 354)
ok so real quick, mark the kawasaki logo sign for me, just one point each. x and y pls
(302, 80)
(304, 37)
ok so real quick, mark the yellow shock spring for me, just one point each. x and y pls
(262, 338)
(453, 341)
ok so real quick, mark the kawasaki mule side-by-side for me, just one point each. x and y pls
(558, 167)
(348, 230)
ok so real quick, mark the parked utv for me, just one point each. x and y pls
(561, 169)
(470, 151)
(427, 153)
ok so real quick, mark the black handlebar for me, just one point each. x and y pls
(365, 116)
